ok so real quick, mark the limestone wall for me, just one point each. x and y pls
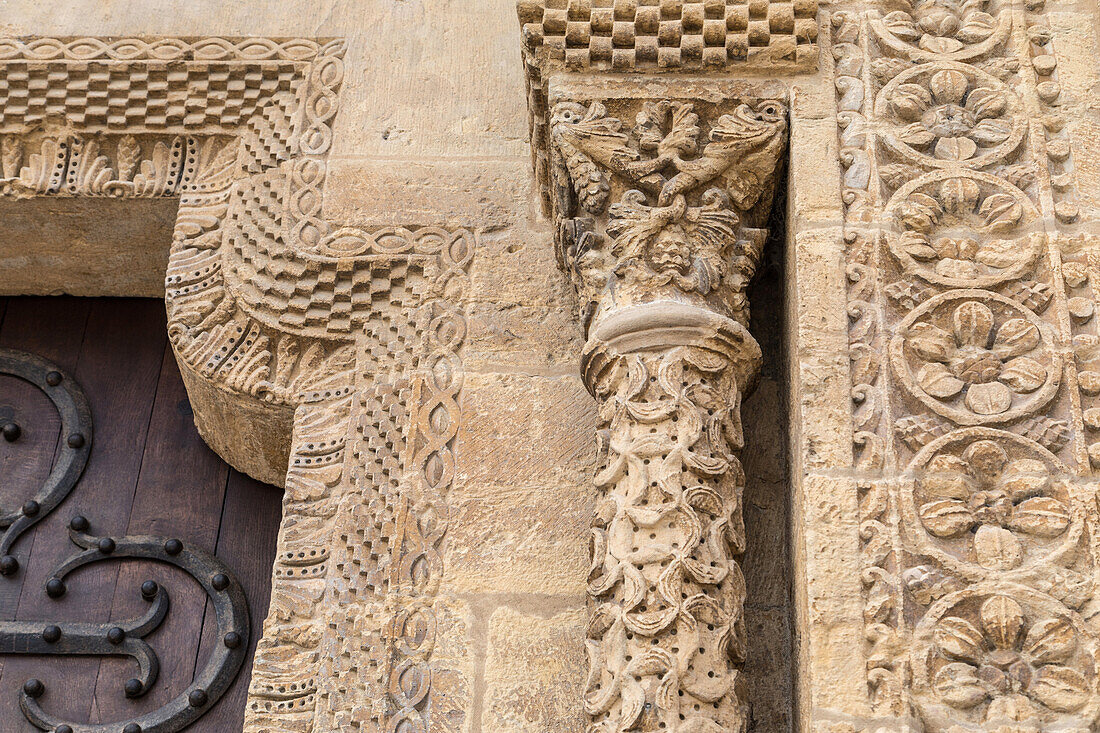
(431, 134)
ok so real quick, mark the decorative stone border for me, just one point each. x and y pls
(295, 336)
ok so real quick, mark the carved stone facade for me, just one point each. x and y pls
(363, 299)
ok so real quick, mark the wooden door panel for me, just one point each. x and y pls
(149, 473)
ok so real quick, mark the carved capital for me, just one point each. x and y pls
(661, 199)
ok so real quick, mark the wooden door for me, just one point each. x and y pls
(147, 473)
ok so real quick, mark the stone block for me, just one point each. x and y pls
(534, 673)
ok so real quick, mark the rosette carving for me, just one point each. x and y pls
(944, 29)
(988, 503)
(976, 357)
(1004, 659)
(946, 114)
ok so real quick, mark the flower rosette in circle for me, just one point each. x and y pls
(977, 358)
(960, 30)
(1003, 657)
(986, 503)
(964, 229)
(949, 115)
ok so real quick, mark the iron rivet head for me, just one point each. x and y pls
(55, 588)
(79, 524)
(31, 508)
(232, 640)
(76, 440)
(8, 565)
(116, 636)
(149, 589)
(63, 729)
(106, 545)
(196, 698)
(33, 688)
(51, 634)
(173, 547)
(220, 581)
(53, 378)
(132, 728)
(11, 432)
(133, 687)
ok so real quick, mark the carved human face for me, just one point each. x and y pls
(669, 250)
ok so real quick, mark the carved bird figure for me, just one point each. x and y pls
(745, 145)
(589, 139)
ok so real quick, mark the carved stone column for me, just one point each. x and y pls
(658, 171)
(658, 227)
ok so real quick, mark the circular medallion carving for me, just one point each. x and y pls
(1003, 658)
(976, 357)
(984, 502)
(963, 229)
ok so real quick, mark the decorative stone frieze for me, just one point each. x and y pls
(971, 343)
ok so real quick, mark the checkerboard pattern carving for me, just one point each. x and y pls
(667, 34)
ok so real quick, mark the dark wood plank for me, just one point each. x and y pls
(54, 330)
(180, 493)
(249, 528)
(150, 473)
(119, 367)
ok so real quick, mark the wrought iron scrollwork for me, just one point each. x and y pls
(118, 638)
(76, 429)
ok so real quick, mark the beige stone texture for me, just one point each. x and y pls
(402, 320)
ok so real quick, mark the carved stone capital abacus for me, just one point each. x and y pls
(658, 188)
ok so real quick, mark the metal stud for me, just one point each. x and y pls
(63, 729)
(51, 634)
(232, 640)
(9, 565)
(173, 547)
(31, 508)
(132, 728)
(53, 378)
(149, 589)
(76, 440)
(106, 545)
(197, 698)
(78, 524)
(133, 687)
(33, 688)
(220, 581)
(116, 636)
(55, 588)
(11, 431)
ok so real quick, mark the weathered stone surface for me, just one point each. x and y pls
(533, 669)
(367, 298)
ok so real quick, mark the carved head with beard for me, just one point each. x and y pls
(679, 244)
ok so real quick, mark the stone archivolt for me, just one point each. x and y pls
(319, 356)
(972, 339)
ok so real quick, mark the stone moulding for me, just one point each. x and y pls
(322, 358)
(972, 342)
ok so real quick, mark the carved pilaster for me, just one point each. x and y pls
(655, 224)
